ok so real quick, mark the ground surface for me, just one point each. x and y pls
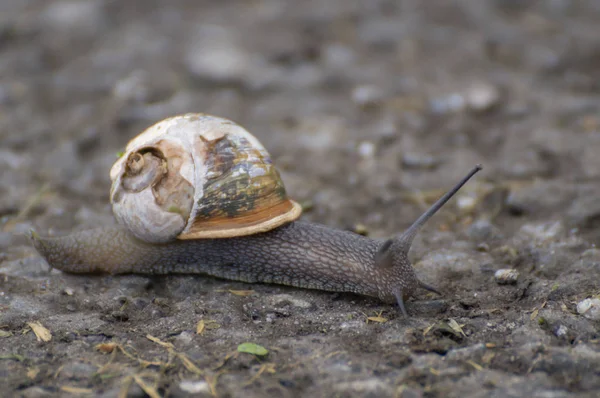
(370, 112)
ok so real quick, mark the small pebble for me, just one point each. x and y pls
(466, 203)
(119, 316)
(184, 338)
(561, 331)
(369, 387)
(194, 386)
(448, 104)
(13, 160)
(430, 307)
(482, 97)
(506, 276)
(366, 149)
(589, 308)
(543, 232)
(133, 88)
(483, 230)
(36, 392)
(270, 317)
(367, 95)
(77, 370)
(412, 160)
(79, 17)
(337, 56)
(584, 210)
(466, 353)
(353, 324)
(215, 53)
(280, 300)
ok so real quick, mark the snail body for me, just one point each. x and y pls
(199, 194)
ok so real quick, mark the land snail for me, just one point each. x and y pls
(199, 194)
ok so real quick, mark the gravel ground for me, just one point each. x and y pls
(370, 111)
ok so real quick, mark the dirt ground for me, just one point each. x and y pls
(370, 110)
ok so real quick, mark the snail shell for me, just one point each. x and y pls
(198, 176)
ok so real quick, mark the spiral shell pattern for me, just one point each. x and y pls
(198, 176)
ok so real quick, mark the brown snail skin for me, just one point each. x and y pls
(294, 253)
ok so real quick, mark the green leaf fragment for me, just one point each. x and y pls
(254, 349)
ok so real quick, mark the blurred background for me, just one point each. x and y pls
(357, 101)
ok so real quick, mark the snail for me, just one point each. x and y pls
(199, 194)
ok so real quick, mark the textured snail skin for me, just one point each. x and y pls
(298, 254)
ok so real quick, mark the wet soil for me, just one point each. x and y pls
(370, 111)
